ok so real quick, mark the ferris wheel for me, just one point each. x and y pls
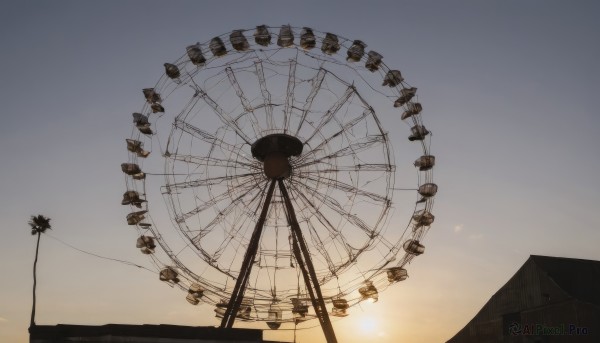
(272, 150)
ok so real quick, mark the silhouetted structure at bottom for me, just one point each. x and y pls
(550, 299)
(63, 333)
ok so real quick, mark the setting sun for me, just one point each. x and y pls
(368, 325)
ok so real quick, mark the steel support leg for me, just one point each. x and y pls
(242, 281)
(306, 266)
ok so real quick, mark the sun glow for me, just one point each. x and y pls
(368, 325)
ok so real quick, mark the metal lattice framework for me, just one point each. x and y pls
(279, 175)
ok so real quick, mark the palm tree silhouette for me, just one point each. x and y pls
(39, 224)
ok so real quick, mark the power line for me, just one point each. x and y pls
(99, 256)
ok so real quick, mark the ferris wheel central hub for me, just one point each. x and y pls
(274, 151)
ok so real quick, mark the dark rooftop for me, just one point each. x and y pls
(155, 331)
(579, 278)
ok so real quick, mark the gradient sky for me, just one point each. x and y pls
(508, 89)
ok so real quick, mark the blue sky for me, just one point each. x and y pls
(508, 89)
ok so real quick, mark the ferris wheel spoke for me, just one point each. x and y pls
(216, 255)
(348, 188)
(375, 167)
(224, 116)
(206, 256)
(248, 109)
(213, 202)
(210, 139)
(333, 231)
(180, 264)
(212, 181)
(333, 204)
(237, 224)
(345, 128)
(289, 98)
(318, 244)
(315, 88)
(238, 89)
(229, 208)
(303, 201)
(211, 161)
(332, 111)
(265, 94)
(351, 149)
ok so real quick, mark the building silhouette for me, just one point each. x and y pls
(549, 299)
(63, 333)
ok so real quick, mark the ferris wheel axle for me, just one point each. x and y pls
(274, 151)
